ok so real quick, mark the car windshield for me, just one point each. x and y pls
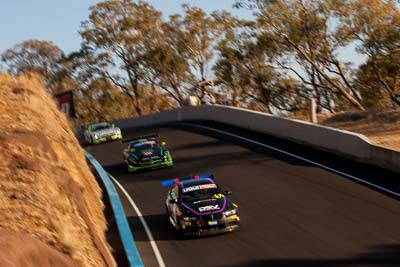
(97, 127)
(200, 192)
(146, 147)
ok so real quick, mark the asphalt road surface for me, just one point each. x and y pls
(293, 213)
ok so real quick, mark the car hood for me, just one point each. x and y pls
(208, 206)
(154, 153)
(105, 131)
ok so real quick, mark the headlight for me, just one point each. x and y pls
(96, 136)
(189, 219)
(118, 131)
(230, 212)
(166, 155)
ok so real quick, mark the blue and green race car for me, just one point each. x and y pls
(147, 152)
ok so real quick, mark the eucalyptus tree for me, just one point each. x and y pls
(43, 58)
(121, 32)
(198, 36)
(230, 68)
(245, 66)
(309, 43)
(168, 61)
(184, 54)
(375, 24)
(379, 81)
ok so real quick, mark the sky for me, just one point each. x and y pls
(59, 20)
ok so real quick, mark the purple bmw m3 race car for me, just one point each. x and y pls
(196, 205)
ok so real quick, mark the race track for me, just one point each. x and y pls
(293, 213)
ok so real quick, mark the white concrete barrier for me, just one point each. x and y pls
(343, 143)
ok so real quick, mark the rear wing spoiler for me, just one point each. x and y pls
(177, 180)
(137, 138)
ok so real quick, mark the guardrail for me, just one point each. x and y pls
(344, 143)
(125, 234)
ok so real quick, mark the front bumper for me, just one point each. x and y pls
(218, 226)
(107, 138)
(150, 165)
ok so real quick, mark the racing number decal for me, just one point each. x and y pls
(217, 196)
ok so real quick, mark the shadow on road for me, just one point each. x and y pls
(161, 229)
(381, 255)
(185, 165)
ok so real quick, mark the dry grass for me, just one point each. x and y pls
(46, 189)
(381, 127)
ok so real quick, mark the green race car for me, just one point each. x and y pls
(147, 153)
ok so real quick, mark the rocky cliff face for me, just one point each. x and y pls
(48, 195)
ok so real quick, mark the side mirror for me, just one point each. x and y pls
(163, 143)
(173, 201)
(227, 193)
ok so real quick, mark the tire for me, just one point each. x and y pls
(85, 138)
(180, 234)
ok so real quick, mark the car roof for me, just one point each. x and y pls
(99, 124)
(143, 140)
(193, 182)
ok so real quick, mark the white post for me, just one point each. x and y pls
(313, 110)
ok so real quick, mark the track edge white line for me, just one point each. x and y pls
(153, 244)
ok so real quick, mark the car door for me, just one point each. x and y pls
(173, 206)
(87, 135)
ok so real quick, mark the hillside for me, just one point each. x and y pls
(381, 127)
(51, 213)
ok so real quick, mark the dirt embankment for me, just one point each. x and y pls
(51, 212)
(381, 127)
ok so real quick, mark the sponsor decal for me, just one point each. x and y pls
(206, 186)
(208, 208)
(198, 187)
(213, 222)
(191, 188)
(148, 153)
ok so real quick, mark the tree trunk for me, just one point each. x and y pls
(313, 110)
(342, 90)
